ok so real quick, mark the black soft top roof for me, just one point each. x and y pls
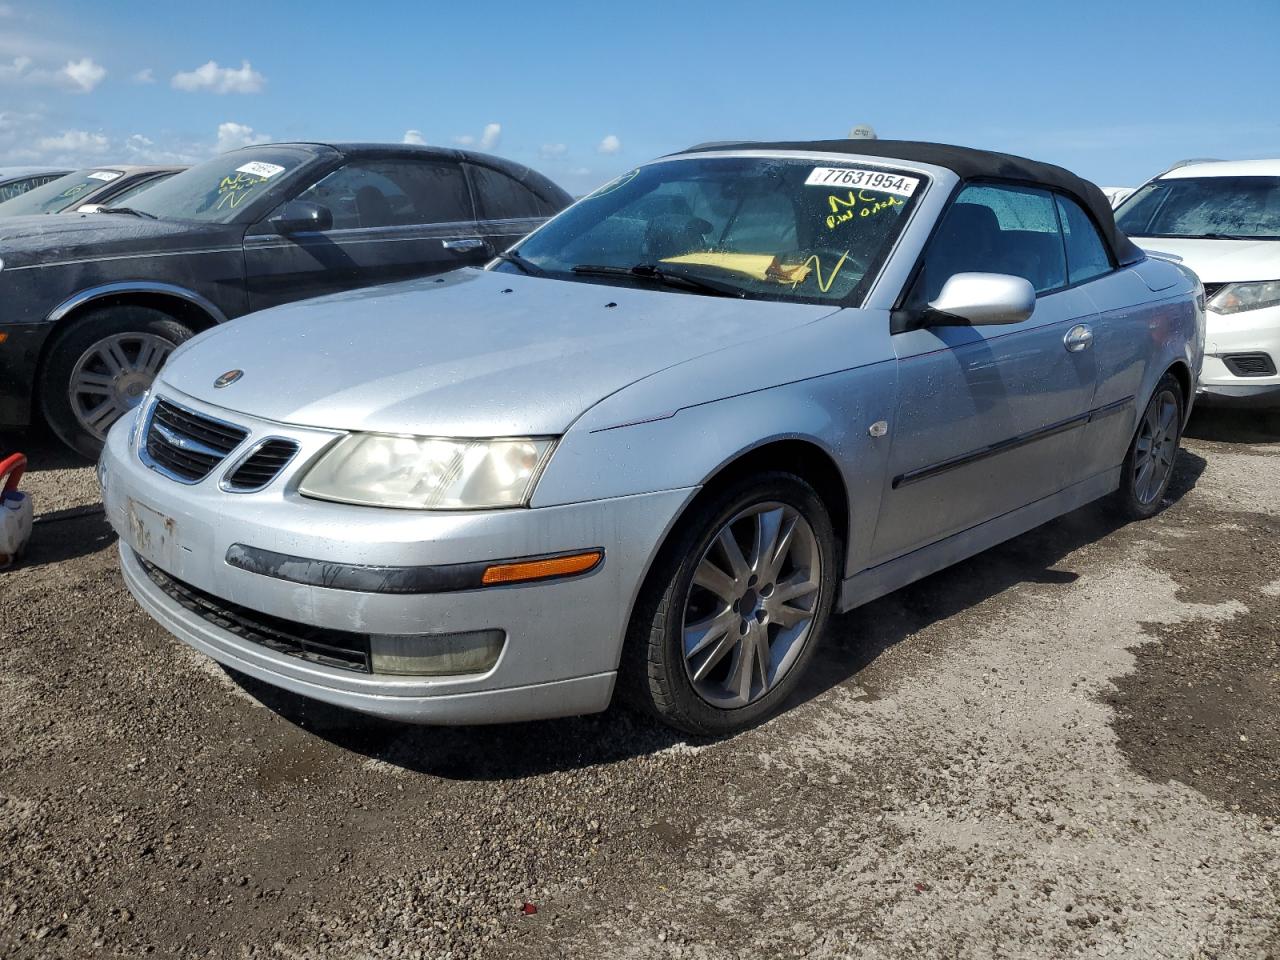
(969, 164)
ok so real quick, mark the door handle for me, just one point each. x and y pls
(1078, 338)
(463, 244)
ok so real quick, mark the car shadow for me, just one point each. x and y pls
(1234, 426)
(852, 642)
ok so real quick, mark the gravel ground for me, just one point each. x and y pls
(1067, 746)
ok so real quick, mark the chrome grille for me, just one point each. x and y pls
(261, 466)
(186, 445)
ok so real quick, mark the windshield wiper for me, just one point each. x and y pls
(524, 266)
(1224, 236)
(667, 278)
(128, 210)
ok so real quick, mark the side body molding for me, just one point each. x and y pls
(135, 286)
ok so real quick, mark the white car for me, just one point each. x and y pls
(1117, 195)
(1222, 219)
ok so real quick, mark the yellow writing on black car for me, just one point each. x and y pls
(860, 204)
(234, 188)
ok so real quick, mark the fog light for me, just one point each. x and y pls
(435, 654)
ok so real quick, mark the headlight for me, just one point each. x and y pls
(428, 473)
(1235, 297)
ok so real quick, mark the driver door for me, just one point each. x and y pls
(989, 418)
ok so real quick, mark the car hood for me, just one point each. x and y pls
(1220, 261)
(58, 238)
(473, 353)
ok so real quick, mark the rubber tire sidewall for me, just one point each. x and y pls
(652, 675)
(71, 343)
(1126, 500)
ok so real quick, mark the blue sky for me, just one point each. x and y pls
(1113, 90)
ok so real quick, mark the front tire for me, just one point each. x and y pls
(1148, 466)
(98, 369)
(732, 611)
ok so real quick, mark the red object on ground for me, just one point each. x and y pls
(14, 467)
(529, 909)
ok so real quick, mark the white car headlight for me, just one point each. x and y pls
(428, 473)
(1236, 297)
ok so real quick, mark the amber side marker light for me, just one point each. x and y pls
(525, 570)
(3, 337)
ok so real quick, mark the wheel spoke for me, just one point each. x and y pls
(710, 577)
(743, 667)
(799, 584)
(698, 636)
(1142, 482)
(785, 539)
(767, 527)
(763, 658)
(787, 616)
(103, 415)
(728, 642)
(738, 566)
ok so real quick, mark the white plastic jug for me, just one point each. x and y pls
(15, 511)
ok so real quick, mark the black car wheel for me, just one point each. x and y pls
(732, 611)
(99, 368)
(1148, 467)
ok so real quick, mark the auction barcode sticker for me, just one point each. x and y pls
(103, 175)
(856, 179)
(257, 168)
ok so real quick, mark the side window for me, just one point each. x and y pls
(392, 193)
(995, 229)
(1087, 255)
(500, 197)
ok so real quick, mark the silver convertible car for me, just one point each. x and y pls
(654, 445)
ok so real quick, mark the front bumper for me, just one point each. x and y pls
(1249, 333)
(563, 637)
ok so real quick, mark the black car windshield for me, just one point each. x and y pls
(808, 231)
(1213, 207)
(222, 189)
(58, 195)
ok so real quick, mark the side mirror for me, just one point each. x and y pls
(299, 216)
(978, 299)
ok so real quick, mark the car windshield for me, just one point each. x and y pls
(221, 189)
(1225, 207)
(809, 231)
(57, 195)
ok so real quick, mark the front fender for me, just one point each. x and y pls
(687, 448)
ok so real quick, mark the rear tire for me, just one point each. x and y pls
(98, 369)
(750, 571)
(1148, 466)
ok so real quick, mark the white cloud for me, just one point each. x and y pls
(75, 143)
(415, 137)
(488, 139)
(146, 75)
(233, 135)
(15, 70)
(553, 151)
(218, 79)
(84, 74)
(610, 144)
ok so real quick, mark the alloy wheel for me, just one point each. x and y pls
(1156, 447)
(112, 376)
(750, 608)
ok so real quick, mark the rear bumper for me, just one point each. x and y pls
(1260, 396)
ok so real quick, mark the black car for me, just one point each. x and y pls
(15, 181)
(93, 186)
(93, 304)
